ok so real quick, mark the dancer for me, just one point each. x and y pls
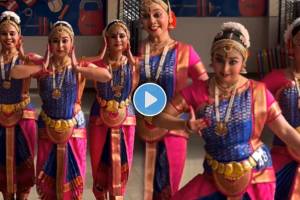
(112, 120)
(17, 115)
(286, 91)
(170, 64)
(61, 159)
(231, 112)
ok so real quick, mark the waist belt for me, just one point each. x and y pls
(59, 125)
(235, 169)
(10, 108)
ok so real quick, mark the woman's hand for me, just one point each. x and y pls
(21, 49)
(74, 62)
(194, 125)
(129, 54)
(46, 60)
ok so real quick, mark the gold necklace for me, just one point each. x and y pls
(6, 83)
(226, 91)
(221, 126)
(160, 64)
(56, 91)
(117, 88)
(59, 67)
(156, 47)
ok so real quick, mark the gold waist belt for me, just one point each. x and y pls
(113, 105)
(231, 170)
(10, 108)
(59, 125)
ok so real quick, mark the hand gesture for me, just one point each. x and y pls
(196, 125)
(74, 62)
(129, 54)
(46, 60)
(21, 49)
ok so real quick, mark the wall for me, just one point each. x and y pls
(200, 32)
(197, 31)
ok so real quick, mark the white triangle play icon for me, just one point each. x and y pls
(149, 99)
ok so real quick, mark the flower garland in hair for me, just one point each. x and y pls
(240, 28)
(288, 32)
(10, 17)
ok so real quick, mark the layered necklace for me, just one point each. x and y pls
(117, 88)
(6, 82)
(160, 65)
(221, 126)
(56, 87)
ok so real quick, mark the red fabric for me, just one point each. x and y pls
(176, 151)
(275, 80)
(202, 186)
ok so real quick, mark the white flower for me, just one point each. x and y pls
(288, 32)
(10, 14)
(240, 28)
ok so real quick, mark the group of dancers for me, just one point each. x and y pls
(228, 110)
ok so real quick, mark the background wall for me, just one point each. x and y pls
(200, 33)
(197, 31)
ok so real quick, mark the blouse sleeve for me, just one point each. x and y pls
(196, 67)
(194, 57)
(100, 63)
(195, 94)
(36, 59)
(273, 109)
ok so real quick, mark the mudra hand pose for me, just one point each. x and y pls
(231, 112)
(284, 84)
(17, 116)
(61, 159)
(170, 64)
(112, 119)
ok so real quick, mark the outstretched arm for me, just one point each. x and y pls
(24, 71)
(90, 70)
(201, 71)
(285, 132)
(169, 119)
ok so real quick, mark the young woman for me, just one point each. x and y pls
(170, 64)
(17, 116)
(231, 112)
(286, 91)
(61, 160)
(112, 120)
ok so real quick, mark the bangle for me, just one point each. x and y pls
(187, 128)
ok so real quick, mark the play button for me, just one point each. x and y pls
(149, 99)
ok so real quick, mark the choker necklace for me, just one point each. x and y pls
(6, 82)
(118, 62)
(160, 65)
(221, 127)
(60, 68)
(56, 91)
(226, 91)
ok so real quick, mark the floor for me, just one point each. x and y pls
(135, 185)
